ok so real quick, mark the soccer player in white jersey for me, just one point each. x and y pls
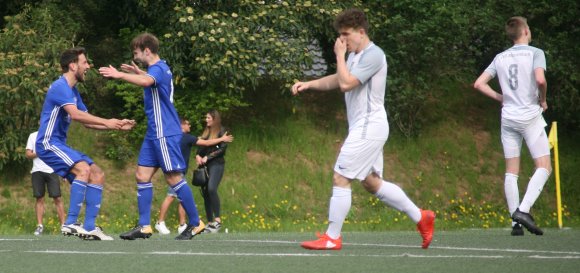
(520, 71)
(362, 78)
(160, 148)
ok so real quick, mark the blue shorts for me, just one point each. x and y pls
(163, 152)
(61, 158)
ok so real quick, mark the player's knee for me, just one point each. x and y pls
(544, 163)
(83, 172)
(141, 177)
(340, 181)
(97, 175)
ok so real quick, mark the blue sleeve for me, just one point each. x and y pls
(61, 94)
(80, 104)
(156, 73)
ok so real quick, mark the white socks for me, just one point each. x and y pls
(534, 189)
(512, 193)
(339, 206)
(394, 196)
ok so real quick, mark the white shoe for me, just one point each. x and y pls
(160, 226)
(181, 228)
(39, 230)
(74, 229)
(98, 235)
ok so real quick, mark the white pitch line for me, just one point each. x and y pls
(80, 252)
(417, 246)
(1, 239)
(235, 254)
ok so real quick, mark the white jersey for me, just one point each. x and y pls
(515, 72)
(37, 164)
(365, 104)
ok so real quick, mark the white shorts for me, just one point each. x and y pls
(360, 157)
(512, 134)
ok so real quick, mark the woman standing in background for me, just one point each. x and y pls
(213, 158)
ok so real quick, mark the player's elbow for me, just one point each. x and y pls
(477, 85)
(542, 83)
(345, 87)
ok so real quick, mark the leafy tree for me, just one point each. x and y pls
(30, 47)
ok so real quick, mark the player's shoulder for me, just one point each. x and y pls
(374, 49)
(58, 83)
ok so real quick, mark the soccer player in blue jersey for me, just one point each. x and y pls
(161, 146)
(62, 105)
(520, 72)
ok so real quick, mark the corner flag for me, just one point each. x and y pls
(553, 140)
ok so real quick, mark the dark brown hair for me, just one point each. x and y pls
(145, 40)
(69, 56)
(351, 18)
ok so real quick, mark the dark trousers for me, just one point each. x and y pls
(210, 195)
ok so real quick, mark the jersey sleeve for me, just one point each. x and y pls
(80, 104)
(368, 65)
(62, 94)
(156, 73)
(491, 69)
(539, 59)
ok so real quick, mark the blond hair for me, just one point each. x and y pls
(213, 131)
(514, 27)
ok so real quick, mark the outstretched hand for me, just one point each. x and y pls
(129, 124)
(110, 72)
(131, 68)
(114, 124)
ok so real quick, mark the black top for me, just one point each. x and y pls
(216, 153)
(187, 142)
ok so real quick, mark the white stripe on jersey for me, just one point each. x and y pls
(165, 153)
(48, 135)
(157, 112)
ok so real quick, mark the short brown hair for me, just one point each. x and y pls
(145, 40)
(69, 56)
(351, 18)
(514, 26)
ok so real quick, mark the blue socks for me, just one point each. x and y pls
(94, 195)
(144, 200)
(186, 197)
(77, 197)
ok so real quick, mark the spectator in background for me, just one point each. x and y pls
(187, 142)
(213, 158)
(43, 179)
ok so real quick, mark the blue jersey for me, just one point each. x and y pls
(162, 118)
(54, 120)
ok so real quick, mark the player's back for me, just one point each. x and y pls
(515, 71)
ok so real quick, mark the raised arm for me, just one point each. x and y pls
(94, 122)
(346, 81)
(140, 79)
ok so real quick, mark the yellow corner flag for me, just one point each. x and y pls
(553, 139)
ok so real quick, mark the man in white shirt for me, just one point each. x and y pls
(520, 72)
(43, 178)
(363, 79)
